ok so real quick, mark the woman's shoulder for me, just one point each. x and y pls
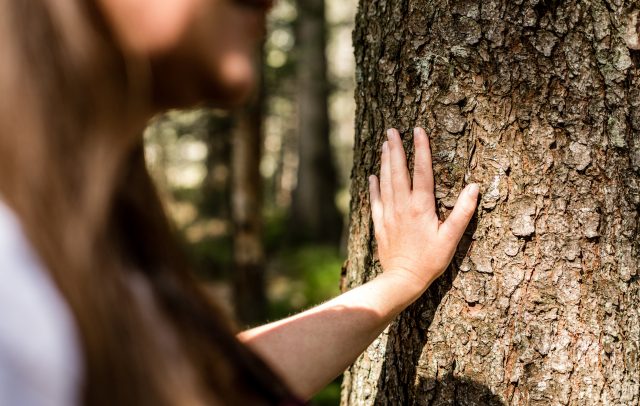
(39, 352)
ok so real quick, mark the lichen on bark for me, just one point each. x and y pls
(538, 101)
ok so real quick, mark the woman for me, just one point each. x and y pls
(97, 305)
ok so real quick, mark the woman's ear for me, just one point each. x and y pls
(149, 27)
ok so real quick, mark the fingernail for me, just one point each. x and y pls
(390, 134)
(418, 130)
(473, 190)
(385, 146)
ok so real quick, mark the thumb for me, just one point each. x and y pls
(453, 228)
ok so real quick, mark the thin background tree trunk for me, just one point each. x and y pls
(248, 277)
(315, 217)
(538, 102)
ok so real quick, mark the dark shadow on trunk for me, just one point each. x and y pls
(450, 390)
(399, 381)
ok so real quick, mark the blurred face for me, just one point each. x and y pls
(200, 50)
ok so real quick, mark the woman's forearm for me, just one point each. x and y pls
(311, 348)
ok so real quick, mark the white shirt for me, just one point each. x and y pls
(40, 356)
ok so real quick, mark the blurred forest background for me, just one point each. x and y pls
(260, 195)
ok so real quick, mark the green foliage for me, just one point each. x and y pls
(320, 267)
(212, 257)
(274, 230)
(304, 277)
(329, 396)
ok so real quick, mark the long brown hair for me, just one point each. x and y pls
(76, 178)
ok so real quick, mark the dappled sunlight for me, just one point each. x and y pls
(210, 228)
(182, 213)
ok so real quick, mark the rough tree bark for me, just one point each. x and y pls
(315, 216)
(538, 101)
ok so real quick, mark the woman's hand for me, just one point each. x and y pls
(412, 243)
(310, 349)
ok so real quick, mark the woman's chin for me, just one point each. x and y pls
(237, 92)
(239, 76)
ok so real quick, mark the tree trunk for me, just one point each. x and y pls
(216, 186)
(538, 102)
(248, 252)
(315, 216)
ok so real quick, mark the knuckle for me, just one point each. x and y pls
(398, 166)
(399, 213)
(415, 210)
(468, 211)
(390, 219)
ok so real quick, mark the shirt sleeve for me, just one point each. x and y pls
(40, 359)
